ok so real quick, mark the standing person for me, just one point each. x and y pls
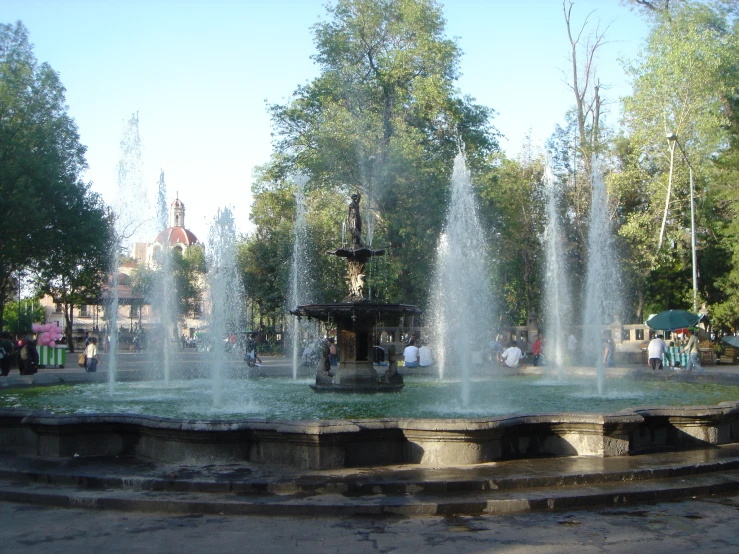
(537, 350)
(657, 347)
(333, 354)
(7, 350)
(512, 355)
(31, 365)
(494, 349)
(252, 357)
(693, 351)
(571, 348)
(92, 358)
(608, 349)
(410, 354)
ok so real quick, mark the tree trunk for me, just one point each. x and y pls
(69, 320)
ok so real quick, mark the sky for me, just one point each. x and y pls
(200, 74)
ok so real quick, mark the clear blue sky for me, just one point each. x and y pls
(198, 73)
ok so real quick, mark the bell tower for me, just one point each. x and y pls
(177, 213)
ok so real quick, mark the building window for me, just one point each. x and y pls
(83, 311)
(639, 334)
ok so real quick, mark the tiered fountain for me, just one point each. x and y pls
(356, 318)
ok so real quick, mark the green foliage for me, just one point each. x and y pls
(187, 278)
(681, 80)
(383, 118)
(511, 202)
(50, 223)
(31, 312)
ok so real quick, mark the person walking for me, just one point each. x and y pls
(693, 351)
(92, 358)
(656, 349)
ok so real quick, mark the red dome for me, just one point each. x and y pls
(176, 235)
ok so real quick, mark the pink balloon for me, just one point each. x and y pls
(36, 327)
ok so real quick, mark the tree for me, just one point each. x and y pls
(681, 80)
(78, 262)
(40, 157)
(582, 137)
(383, 118)
(512, 203)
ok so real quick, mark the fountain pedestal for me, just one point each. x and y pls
(355, 318)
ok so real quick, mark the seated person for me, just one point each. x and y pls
(425, 356)
(512, 355)
(410, 354)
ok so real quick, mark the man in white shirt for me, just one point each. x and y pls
(410, 355)
(512, 355)
(656, 349)
(425, 357)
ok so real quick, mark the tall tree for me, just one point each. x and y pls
(383, 118)
(78, 261)
(40, 157)
(681, 80)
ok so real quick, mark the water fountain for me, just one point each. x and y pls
(556, 284)
(514, 417)
(602, 283)
(462, 303)
(225, 294)
(299, 276)
(356, 318)
(128, 222)
(163, 295)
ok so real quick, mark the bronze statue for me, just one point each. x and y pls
(355, 221)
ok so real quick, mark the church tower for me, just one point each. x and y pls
(177, 213)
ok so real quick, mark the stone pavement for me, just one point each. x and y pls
(704, 524)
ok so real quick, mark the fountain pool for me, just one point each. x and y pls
(284, 398)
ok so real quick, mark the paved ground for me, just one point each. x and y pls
(706, 524)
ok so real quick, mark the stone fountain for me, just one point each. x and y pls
(356, 318)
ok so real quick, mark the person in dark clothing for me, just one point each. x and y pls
(7, 352)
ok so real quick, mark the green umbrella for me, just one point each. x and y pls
(673, 319)
(732, 340)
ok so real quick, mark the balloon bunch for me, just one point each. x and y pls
(48, 334)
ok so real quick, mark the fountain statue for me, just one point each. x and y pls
(356, 318)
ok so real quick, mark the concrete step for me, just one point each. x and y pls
(496, 488)
(331, 503)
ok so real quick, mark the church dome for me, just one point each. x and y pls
(176, 235)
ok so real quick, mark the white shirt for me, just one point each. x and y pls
(512, 356)
(656, 348)
(425, 357)
(571, 343)
(410, 354)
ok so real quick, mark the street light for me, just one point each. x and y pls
(672, 137)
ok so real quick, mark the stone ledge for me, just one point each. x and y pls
(370, 442)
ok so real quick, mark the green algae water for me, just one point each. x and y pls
(422, 397)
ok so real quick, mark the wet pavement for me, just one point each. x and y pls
(707, 524)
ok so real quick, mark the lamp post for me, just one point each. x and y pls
(673, 138)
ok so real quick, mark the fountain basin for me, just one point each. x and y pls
(442, 438)
(367, 442)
